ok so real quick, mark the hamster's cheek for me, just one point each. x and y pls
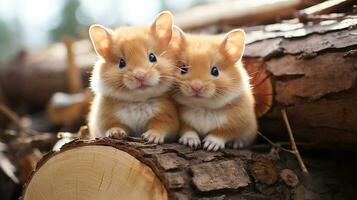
(186, 91)
(153, 78)
(130, 82)
(224, 84)
(111, 78)
(209, 91)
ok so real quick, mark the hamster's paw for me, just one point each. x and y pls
(153, 136)
(191, 139)
(116, 133)
(213, 143)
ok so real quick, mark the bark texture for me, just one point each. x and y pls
(313, 70)
(229, 174)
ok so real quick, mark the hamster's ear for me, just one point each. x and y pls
(101, 38)
(233, 44)
(178, 39)
(162, 27)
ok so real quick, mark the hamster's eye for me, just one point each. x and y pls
(214, 71)
(152, 57)
(122, 63)
(184, 69)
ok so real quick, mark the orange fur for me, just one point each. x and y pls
(224, 105)
(124, 102)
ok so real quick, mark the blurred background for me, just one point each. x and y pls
(33, 24)
(301, 56)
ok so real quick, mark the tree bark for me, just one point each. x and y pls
(313, 70)
(103, 168)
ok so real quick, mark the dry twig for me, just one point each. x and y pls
(8, 113)
(293, 144)
(15, 119)
(277, 145)
(294, 150)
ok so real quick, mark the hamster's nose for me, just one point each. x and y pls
(196, 87)
(140, 75)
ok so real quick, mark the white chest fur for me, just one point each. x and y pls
(137, 114)
(204, 120)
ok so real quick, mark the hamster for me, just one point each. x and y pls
(213, 91)
(131, 81)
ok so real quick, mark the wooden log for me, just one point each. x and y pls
(130, 169)
(32, 78)
(236, 12)
(28, 164)
(323, 8)
(313, 69)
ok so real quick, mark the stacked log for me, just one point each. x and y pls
(131, 169)
(32, 78)
(313, 70)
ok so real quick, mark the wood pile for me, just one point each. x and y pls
(303, 72)
(131, 169)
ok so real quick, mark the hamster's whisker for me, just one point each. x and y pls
(171, 77)
(168, 77)
(179, 68)
(185, 84)
(176, 91)
(163, 53)
(219, 93)
(180, 61)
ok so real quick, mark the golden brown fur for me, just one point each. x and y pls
(123, 103)
(223, 108)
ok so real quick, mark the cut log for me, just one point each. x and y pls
(130, 169)
(28, 164)
(313, 69)
(262, 89)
